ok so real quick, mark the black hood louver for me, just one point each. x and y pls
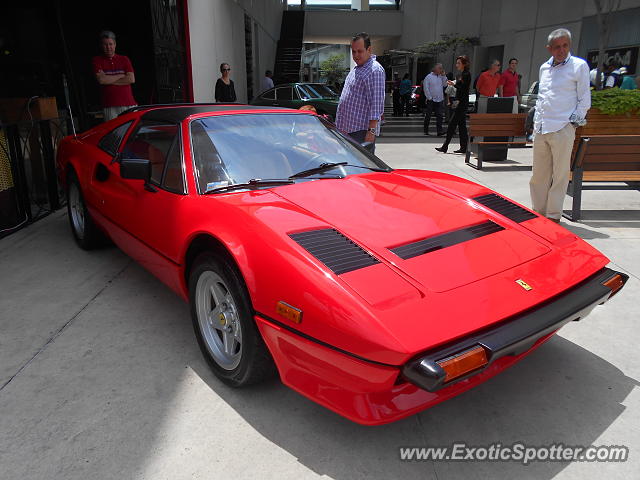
(504, 207)
(333, 249)
(445, 240)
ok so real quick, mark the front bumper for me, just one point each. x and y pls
(516, 335)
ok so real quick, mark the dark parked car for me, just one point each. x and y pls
(528, 100)
(295, 95)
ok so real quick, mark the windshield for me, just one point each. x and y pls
(238, 149)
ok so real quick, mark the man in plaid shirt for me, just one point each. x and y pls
(362, 100)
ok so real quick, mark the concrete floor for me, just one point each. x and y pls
(101, 377)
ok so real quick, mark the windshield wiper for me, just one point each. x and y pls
(320, 168)
(254, 182)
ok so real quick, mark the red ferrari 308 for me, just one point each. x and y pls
(376, 292)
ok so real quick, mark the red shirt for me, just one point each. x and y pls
(114, 95)
(509, 82)
(488, 84)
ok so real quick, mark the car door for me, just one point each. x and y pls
(285, 97)
(146, 217)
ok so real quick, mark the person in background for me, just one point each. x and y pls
(459, 118)
(613, 76)
(115, 76)
(405, 94)
(225, 91)
(395, 93)
(362, 100)
(433, 87)
(488, 81)
(628, 83)
(267, 81)
(564, 97)
(509, 84)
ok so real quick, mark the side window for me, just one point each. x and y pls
(111, 141)
(269, 95)
(152, 141)
(284, 93)
(173, 178)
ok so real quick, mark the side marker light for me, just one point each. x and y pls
(290, 313)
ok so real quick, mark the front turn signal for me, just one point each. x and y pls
(615, 283)
(462, 363)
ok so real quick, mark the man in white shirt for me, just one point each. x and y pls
(563, 100)
(433, 88)
(266, 82)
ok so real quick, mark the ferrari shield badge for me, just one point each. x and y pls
(524, 284)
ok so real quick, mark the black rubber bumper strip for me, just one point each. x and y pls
(515, 335)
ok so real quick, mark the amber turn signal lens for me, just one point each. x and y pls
(615, 283)
(464, 362)
(290, 313)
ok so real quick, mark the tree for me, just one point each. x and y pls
(603, 13)
(450, 41)
(333, 68)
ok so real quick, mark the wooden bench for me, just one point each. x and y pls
(495, 125)
(600, 160)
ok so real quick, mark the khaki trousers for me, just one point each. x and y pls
(551, 168)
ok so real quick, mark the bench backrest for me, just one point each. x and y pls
(608, 153)
(602, 124)
(497, 124)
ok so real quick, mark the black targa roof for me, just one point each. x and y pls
(176, 113)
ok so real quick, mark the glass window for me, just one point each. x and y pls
(111, 141)
(269, 95)
(152, 141)
(234, 149)
(284, 93)
(306, 93)
(173, 177)
(323, 91)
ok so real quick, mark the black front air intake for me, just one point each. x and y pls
(333, 249)
(431, 244)
(504, 207)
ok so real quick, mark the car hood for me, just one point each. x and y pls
(388, 213)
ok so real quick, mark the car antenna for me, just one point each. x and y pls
(66, 97)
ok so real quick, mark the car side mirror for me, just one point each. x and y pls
(135, 169)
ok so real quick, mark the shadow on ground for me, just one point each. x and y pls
(545, 399)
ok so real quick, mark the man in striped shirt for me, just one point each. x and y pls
(362, 101)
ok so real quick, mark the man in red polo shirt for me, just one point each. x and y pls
(509, 85)
(488, 81)
(115, 76)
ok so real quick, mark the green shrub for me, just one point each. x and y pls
(614, 101)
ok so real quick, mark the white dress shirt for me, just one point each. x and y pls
(563, 94)
(266, 84)
(433, 85)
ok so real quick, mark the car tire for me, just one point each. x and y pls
(84, 231)
(223, 322)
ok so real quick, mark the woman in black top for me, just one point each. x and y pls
(459, 118)
(225, 93)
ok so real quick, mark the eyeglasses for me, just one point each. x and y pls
(226, 69)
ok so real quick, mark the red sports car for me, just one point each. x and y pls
(374, 292)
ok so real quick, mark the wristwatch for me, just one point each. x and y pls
(372, 131)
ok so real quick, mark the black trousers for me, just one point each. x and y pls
(437, 108)
(459, 119)
(406, 99)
